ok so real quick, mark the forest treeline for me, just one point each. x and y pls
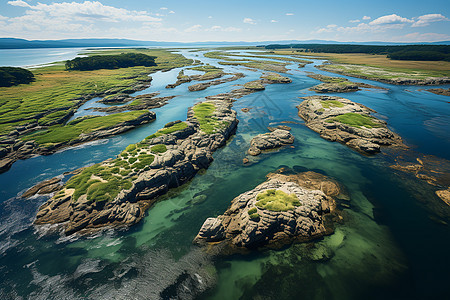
(403, 52)
(10, 76)
(123, 60)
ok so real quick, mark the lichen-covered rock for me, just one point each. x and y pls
(269, 141)
(347, 122)
(246, 225)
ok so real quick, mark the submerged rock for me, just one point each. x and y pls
(347, 122)
(306, 214)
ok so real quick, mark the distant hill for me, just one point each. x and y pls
(13, 43)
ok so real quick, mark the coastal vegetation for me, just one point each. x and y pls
(63, 134)
(56, 89)
(169, 129)
(355, 119)
(10, 76)
(204, 113)
(123, 60)
(406, 52)
(276, 200)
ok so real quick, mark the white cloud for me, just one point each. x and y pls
(164, 8)
(171, 12)
(210, 17)
(328, 28)
(93, 10)
(390, 19)
(3, 18)
(273, 21)
(19, 3)
(249, 21)
(366, 18)
(355, 21)
(194, 28)
(289, 14)
(220, 28)
(425, 20)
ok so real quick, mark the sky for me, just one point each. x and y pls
(230, 20)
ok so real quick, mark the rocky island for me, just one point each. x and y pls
(117, 192)
(287, 208)
(269, 141)
(347, 122)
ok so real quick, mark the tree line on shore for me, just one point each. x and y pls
(403, 52)
(10, 76)
(123, 60)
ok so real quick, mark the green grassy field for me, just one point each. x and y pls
(56, 89)
(71, 131)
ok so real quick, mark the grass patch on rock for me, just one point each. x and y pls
(331, 103)
(276, 200)
(167, 130)
(160, 148)
(356, 120)
(203, 112)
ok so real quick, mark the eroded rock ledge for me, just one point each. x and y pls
(117, 192)
(347, 122)
(247, 224)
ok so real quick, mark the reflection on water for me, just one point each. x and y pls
(387, 246)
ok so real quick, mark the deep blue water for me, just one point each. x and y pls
(388, 247)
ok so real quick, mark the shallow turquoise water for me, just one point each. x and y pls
(387, 247)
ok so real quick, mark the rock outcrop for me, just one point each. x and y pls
(347, 122)
(248, 224)
(44, 187)
(269, 141)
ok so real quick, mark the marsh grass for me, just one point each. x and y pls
(356, 120)
(167, 130)
(63, 134)
(331, 103)
(276, 200)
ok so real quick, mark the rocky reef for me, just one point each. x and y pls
(337, 84)
(117, 192)
(269, 141)
(287, 208)
(347, 122)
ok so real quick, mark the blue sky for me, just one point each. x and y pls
(231, 20)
